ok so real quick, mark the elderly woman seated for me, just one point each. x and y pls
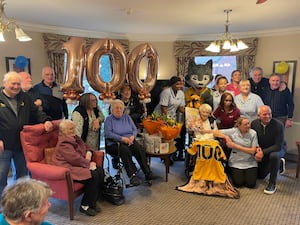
(120, 133)
(72, 152)
(208, 177)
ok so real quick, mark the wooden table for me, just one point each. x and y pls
(165, 157)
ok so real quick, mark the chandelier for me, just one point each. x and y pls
(7, 24)
(226, 40)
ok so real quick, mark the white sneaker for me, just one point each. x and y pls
(282, 166)
(270, 189)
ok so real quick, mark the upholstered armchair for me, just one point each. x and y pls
(38, 146)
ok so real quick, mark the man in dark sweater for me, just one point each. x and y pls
(54, 104)
(282, 106)
(259, 84)
(270, 134)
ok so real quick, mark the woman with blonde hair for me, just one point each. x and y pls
(247, 102)
(243, 142)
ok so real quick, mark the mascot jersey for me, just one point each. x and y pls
(205, 94)
(198, 77)
(209, 161)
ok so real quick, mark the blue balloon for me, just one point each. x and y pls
(21, 62)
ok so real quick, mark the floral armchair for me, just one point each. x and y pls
(38, 146)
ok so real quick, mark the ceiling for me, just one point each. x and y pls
(156, 20)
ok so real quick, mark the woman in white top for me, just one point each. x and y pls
(171, 103)
(247, 102)
(171, 99)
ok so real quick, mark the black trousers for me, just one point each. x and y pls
(126, 153)
(269, 164)
(180, 141)
(243, 177)
(93, 187)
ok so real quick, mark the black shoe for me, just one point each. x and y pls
(150, 176)
(89, 211)
(135, 181)
(97, 209)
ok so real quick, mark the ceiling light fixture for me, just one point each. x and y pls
(7, 24)
(226, 40)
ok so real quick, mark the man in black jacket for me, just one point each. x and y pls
(16, 110)
(270, 133)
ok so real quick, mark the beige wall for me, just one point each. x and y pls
(167, 67)
(33, 49)
(269, 49)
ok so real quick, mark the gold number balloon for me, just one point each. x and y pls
(117, 53)
(133, 67)
(72, 86)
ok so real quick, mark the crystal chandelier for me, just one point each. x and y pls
(7, 24)
(226, 40)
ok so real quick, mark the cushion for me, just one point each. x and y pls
(35, 139)
(48, 154)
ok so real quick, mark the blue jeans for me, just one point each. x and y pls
(18, 159)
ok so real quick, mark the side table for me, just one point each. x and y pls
(165, 157)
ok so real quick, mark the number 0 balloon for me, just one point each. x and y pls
(133, 66)
(114, 49)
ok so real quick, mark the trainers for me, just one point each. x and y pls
(282, 166)
(135, 181)
(270, 189)
(89, 211)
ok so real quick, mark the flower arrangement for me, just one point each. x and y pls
(166, 126)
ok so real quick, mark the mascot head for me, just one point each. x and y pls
(199, 76)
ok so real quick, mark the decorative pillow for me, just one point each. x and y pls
(48, 154)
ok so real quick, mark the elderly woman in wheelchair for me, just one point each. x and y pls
(120, 133)
(205, 158)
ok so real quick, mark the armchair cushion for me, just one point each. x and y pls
(35, 139)
(48, 152)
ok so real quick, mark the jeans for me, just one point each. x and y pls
(18, 159)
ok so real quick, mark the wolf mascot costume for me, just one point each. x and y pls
(198, 77)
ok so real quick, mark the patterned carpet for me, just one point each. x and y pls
(162, 204)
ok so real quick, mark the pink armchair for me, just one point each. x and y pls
(37, 144)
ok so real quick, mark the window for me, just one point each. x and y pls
(221, 65)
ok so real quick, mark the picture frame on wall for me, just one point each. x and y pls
(290, 76)
(11, 65)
